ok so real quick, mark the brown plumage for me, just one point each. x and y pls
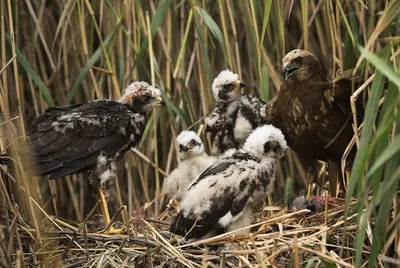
(313, 113)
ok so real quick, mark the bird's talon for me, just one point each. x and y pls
(113, 231)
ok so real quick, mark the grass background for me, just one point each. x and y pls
(69, 51)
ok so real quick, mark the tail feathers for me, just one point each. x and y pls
(190, 228)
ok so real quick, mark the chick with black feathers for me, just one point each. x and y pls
(235, 115)
(91, 137)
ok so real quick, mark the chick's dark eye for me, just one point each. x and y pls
(146, 99)
(193, 142)
(227, 86)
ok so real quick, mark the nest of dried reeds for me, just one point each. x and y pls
(278, 239)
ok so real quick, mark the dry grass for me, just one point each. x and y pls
(69, 51)
(279, 239)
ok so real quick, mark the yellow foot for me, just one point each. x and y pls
(113, 231)
(173, 204)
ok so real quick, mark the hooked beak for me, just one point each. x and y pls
(288, 71)
(158, 102)
(239, 84)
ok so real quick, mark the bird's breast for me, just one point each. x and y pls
(242, 129)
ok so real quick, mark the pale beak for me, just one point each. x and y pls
(158, 102)
(239, 84)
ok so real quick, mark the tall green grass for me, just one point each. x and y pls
(70, 51)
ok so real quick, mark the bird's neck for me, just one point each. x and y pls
(193, 156)
(226, 103)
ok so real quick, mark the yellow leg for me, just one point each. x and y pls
(309, 190)
(104, 207)
(106, 215)
(270, 202)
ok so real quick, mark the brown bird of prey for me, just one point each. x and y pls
(91, 136)
(313, 113)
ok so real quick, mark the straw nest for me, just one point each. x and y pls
(277, 239)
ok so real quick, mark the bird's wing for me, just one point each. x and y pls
(224, 200)
(342, 87)
(69, 140)
(217, 167)
(51, 114)
(345, 83)
(198, 225)
(214, 122)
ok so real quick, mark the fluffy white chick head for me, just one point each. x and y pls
(142, 97)
(266, 141)
(189, 144)
(226, 86)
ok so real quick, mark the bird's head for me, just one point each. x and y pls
(266, 141)
(226, 86)
(299, 65)
(189, 144)
(142, 97)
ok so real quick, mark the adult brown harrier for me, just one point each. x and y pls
(314, 113)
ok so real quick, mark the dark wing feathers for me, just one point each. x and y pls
(67, 168)
(254, 112)
(215, 168)
(222, 131)
(223, 164)
(46, 118)
(192, 227)
(239, 204)
(67, 140)
(229, 201)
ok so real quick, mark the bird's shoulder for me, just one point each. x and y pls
(225, 165)
(214, 119)
(253, 109)
(252, 102)
(243, 155)
(92, 119)
(345, 83)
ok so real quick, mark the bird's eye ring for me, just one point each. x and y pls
(297, 59)
(227, 86)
